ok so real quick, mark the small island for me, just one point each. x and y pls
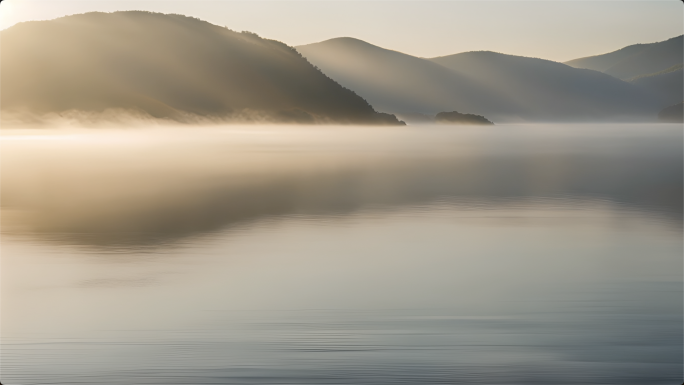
(455, 117)
(672, 114)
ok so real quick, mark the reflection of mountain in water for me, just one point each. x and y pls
(103, 65)
(193, 185)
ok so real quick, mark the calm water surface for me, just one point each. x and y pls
(336, 255)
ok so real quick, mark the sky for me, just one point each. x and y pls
(550, 29)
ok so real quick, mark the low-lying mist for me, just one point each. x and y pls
(134, 117)
(145, 186)
(168, 67)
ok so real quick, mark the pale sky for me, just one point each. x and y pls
(551, 29)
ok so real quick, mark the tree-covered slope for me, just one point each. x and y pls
(166, 66)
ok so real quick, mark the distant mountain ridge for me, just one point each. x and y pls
(166, 66)
(674, 68)
(180, 68)
(547, 89)
(604, 62)
(655, 68)
(667, 86)
(393, 81)
(635, 60)
(500, 87)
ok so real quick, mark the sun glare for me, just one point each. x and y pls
(8, 13)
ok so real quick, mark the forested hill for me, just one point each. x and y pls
(169, 67)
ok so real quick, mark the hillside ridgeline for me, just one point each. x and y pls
(666, 85)
(503, 88)
(168, 67)
(635, 60)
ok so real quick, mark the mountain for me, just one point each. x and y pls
(635, 60)
(604, 62)
(395, 82)
(666, 85)
(166, 66)
(550, 90)
(500, 87)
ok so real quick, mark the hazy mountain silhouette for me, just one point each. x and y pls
(459, 118)
(166, 66)
(635, 60)
(604, 62)
(548, 89)
(672, 114)
(500, 87)
(395, 82)
(666, 85)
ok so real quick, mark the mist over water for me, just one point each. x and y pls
(174, 183)
(513, 254)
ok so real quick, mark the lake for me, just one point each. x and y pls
(512, 254)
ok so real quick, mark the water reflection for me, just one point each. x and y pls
(302, 256)
(132, 187)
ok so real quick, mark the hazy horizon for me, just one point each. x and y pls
(232, 192)
(571, 30)
(185, 69)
